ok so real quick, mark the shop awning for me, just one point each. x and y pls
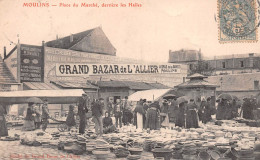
(149, 95)
(74, 85)
(62, 96)
(39, 86)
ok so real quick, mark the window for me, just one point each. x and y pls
(206, 66)
(223, 64)
(256, 85)
(191, 66)
(241, 63)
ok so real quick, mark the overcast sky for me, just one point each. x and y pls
(146, 33)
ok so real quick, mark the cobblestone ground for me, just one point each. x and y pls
(14, 150)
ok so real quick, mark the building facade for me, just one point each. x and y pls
(38, 67)
(220, 65)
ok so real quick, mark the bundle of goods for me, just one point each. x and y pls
(133, 157)
(90, 146)
(149, 145)
(114, 140)
(15, 137)
(121, 152)
(177, 152)
(162, 153)
(102, 145)
(101, 154)
(189, 151)
(135, 150)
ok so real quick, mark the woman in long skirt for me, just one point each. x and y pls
(139, 112)
(180, 121)
(3, 127)
(151, 120)
(192, 116)
(29, 120)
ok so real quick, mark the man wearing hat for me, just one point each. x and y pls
(191, 115)
(97, 111)
(247, 109)
(82, 110)
(45, 115)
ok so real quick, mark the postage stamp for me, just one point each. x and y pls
(237, 21)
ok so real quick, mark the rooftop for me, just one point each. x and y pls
(5, 74)
(131, 85)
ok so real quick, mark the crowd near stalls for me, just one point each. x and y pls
(174, 118)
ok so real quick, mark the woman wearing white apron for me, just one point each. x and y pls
(139, 112)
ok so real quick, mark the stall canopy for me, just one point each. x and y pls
(63, 96)
(152, 94)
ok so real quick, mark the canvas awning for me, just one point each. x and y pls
(149, 95)
(62, 96)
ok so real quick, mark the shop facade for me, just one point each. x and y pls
(81, 61)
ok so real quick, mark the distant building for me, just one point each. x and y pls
(229, 64)
(240, 85)
(188, 57)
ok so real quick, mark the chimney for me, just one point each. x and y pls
(251, 59)
(71, 38)
(5, 52)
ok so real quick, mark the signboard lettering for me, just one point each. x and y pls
(32, 67)
(109, 69)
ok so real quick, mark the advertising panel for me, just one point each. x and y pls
(74, 69)
(32, 63)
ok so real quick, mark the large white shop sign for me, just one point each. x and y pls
(75, 69)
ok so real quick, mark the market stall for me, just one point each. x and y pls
(154, 94)
(63, 96)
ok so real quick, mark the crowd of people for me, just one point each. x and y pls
(144, 115)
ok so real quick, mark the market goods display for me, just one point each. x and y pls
(226, 140)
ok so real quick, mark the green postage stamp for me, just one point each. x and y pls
(237, 21)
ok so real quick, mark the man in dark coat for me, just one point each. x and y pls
(97, 111)
(82, 110)
(180, 119)
(110, 108)
(127, 114)
(118, 112)
(173, 110)
(204, 112)
(191, 115)
(3, 127)
(45, 115)
(221, 109)
(247, 109)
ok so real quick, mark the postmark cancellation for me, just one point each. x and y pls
(237, 21)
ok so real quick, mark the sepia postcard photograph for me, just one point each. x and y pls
(129, 80)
